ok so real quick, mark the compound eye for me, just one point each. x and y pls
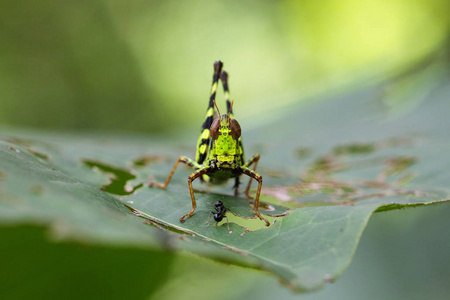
(235, 129)
(214, 129)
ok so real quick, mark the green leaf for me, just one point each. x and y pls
(327, 168)
(64, 238)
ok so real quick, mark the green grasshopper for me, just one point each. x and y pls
(219, 155)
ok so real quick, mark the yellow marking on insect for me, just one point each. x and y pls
(225, 157)
(202, 148)
(205, 134)
(214, 87)
(210, 112)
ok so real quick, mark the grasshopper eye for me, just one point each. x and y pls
(214, 129)
(235, 129)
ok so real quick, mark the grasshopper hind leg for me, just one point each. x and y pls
(204, 138)
(226, 90)
(236, 186)
(182, 159)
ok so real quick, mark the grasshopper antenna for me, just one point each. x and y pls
(218, 111)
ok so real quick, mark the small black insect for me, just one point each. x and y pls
(219, 214)
(220, 211)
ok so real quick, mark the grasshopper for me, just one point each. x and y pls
(220, 154)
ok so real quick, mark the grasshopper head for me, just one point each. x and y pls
(222, 128)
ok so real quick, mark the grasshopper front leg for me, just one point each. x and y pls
(253, 174)
(191, 178)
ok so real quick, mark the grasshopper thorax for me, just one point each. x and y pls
(225, 133)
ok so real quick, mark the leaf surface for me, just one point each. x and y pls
(326, 167)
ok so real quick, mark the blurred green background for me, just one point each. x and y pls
(147, 65)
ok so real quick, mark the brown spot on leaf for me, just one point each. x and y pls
(147, 159)
(39, 154)
(37, 189)
(399, 164)
(356, 148)
(14, 149)
(301, 153)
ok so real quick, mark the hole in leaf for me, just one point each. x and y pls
(118, 178)
(250, 224)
